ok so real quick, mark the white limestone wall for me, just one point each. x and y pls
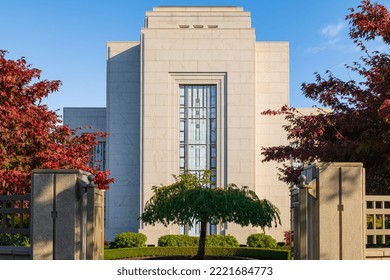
(205, 55)
(198, 17)
(123, 147)
(143, 109)
(272, 92)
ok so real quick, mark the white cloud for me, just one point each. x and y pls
(334, 39)
(329, 44)
(332, 30)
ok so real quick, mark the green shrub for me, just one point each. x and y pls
(217, 240)
(253, 253)
(14, 240)
(130, 240)
(261, 240)
(181, 240)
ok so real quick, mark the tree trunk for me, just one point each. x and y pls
(202, 241)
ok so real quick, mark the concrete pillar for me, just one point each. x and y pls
(331, 217)
(95, 223)
(57, 227)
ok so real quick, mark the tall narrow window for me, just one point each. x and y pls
(99, 156)
(98, 161)
(198, 128)
(198, 133)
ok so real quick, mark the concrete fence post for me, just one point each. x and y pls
(303, 215)
(60, 226)
(330, 221)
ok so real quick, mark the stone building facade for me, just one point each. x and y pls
(189, 96)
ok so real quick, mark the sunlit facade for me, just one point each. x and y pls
(188, 97)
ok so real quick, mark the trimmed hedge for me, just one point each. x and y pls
(123, 253)
(172, 240)
(253, 253)
(261, 240)
(215, 240)
(130, 240)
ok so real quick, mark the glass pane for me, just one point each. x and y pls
(370, 205)
(197, 132)
(213, 163)
(213, 124)
(198, 127)
(213, 229)
(213, 181)
(378, 204)
(189, 97)
(203, 113)
(197, 157)
(182, 229)
(379, 222)
(213, 113)
(194, 230)
(213, 137)
(213, 152)
(370, 221)
(387, 221)
(213, 96)
(370, 240)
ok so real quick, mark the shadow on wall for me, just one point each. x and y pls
(123, 144)
(61, 219)
(332, 220)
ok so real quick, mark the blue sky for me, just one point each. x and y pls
(66, 39)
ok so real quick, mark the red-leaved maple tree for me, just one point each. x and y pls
(357, 126)
(30, 134)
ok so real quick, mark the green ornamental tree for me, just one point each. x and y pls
(190, 199)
